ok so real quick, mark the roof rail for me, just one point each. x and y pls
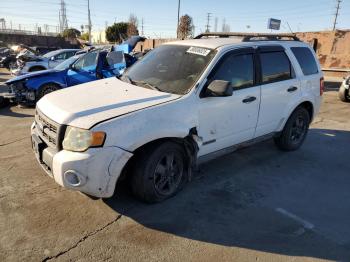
(250, 36)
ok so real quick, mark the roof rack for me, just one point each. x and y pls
(250, 36)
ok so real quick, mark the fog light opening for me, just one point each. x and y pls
(74, 179)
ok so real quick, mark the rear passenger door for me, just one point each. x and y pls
(279, 88)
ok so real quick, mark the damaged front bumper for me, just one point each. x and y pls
(19, 93)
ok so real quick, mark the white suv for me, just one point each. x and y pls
(185, 102)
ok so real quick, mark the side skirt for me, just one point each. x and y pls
(228, 150)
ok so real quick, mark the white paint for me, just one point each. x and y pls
(305, 223)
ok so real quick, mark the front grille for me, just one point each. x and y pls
(48, 129)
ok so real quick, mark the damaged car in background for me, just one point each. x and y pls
(96, 64)
(82, 68)
(27, 62)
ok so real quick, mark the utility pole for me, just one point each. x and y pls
(216, 24)
(63, 17)
(142, 27)
(89, 21)
(178, 18)
(208, 21)
(336, 14)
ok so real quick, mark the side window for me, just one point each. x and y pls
(306, 60)
(69, 54)
(86, 62)
(275, 66)
(60, 56)
(236, 69)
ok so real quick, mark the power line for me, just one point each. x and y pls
(208, 21)
(336, 14)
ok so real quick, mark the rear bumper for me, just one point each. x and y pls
(94, 172)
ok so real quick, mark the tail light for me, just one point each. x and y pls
(321, 86)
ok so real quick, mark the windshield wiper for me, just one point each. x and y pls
(128, 79)
(150, 86)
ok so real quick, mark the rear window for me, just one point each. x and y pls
(306, 60)
(275, 66)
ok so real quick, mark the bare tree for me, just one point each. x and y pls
(133, 24)
(185, 28)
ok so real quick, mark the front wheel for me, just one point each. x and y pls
(343, 94)
(295, 130)
(46, 89)
(158, 172)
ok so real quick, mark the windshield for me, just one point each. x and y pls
(50, 54)
(66, 63)
(170, 68)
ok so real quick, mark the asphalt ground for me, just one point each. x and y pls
(256, 204)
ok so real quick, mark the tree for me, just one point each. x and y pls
(71, 33)
(117, 32)
(185, 27)
(133, 24)
(85, 36)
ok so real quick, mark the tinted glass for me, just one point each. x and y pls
(170, 68)
(306, 60)
(275, 66)
(236, 69)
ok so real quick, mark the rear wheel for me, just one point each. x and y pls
(158, 172)
(295, 130)
(46, 89)
(343, 94)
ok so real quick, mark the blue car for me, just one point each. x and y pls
(96, 64)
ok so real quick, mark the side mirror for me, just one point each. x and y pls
(72, 67)
(219, 88)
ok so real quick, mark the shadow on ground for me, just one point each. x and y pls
(233, 200)
(8, 110)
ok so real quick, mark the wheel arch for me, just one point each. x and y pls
(36, 66)
(188, 143)
(307, 104)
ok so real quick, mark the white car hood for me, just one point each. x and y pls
(88, 104)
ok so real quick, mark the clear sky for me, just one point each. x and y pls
(160, 16)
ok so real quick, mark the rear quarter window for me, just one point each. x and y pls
(306, 60)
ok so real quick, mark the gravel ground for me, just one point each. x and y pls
(257, 204)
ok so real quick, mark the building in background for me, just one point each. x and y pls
(99, 37)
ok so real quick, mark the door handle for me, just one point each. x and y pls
(249, 99)
(292, 89)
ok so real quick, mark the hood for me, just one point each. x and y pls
(30, 75)
(88, 104)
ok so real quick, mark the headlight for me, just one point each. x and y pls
(79, 140)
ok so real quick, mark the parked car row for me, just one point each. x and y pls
(38, 76)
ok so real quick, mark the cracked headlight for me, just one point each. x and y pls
(79, 140)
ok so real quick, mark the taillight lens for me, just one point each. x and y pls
(321, 86)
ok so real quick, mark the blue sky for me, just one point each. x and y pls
(160, 16)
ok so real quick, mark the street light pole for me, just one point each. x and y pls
(178, 17)
(89, 21)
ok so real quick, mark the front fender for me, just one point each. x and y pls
(170, 120)
(36, 83)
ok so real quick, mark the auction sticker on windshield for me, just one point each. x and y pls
(198, 51)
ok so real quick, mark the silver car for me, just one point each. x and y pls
(47, 61)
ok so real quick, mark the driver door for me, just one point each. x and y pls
(227, 121)
(83, 70)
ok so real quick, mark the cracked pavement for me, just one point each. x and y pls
(229, 212)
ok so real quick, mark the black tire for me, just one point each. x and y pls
(153, 180)
(36, 68)
(4, 102)
(295, 130)
(343, 94)
(46, 89)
